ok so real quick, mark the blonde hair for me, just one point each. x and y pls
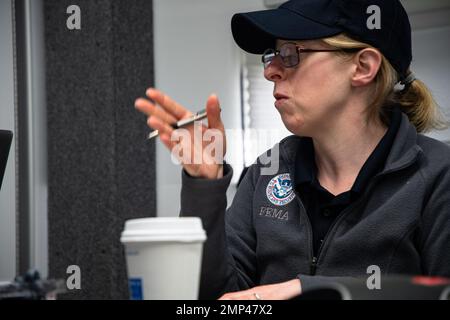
(416, 100)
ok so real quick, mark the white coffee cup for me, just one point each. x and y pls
(164, 257)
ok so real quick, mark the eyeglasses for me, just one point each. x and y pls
(289, 53)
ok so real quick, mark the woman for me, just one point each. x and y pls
(360, 186)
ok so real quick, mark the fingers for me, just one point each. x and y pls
(150, 109)
(165, 138)
(241, 295)
(213, 112)
(165, 130)
(169, 105)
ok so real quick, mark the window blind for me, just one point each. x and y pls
(262, 123)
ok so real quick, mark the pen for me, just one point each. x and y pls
(182, 123)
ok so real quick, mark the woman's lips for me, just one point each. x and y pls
(280, 99)
(279, 102)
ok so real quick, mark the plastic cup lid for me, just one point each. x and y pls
(184, 229)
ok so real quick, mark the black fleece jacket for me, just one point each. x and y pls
(401, 223)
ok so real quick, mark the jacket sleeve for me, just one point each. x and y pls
(229, 261)
(435, 229)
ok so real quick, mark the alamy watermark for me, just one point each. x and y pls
(374, 280)
(374, 20)
(74, 279)
(205, 146)
(74, 20)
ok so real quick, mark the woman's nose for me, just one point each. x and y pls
(275, 70)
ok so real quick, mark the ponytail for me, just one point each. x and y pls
(415, 99)
(417, 102)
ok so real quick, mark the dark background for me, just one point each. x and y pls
(101, 168)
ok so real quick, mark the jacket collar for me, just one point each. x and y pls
(404, 152)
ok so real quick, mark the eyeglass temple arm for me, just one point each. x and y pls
(329, 50)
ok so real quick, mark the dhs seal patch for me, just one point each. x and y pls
(279, 190)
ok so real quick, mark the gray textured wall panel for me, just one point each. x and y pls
(101, 169)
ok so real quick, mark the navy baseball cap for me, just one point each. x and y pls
(256, 31)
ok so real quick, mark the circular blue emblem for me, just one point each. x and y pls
(279, 190)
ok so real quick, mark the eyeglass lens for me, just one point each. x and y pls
(288, 53)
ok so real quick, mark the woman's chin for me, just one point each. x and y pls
(295, 128)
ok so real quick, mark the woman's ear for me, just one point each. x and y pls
(367, 63)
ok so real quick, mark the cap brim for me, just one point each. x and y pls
(256, 31)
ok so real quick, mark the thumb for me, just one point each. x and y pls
(213, 112)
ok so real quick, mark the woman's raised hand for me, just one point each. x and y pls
(199, 148)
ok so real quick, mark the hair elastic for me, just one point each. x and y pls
(408, 80)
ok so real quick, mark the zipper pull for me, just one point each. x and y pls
(313, 266)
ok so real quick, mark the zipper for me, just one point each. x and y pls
(315, 259)
(333, 226)
(313, 266)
